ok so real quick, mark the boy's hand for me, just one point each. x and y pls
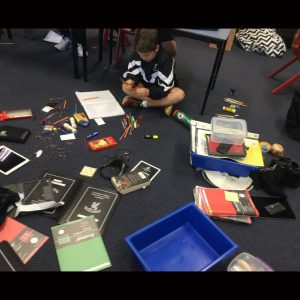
(129, 83)
(143, 92)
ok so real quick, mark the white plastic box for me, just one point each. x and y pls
(228, 131)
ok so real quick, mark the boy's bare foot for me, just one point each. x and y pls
(130, 101)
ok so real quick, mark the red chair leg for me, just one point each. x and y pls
(286, 83)
(283, 67)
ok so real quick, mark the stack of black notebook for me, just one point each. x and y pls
(9, 260)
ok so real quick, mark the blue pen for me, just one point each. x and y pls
(88, 137)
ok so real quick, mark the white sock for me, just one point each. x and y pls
(144, 104)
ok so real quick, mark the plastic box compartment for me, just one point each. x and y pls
(228, 131)
(185, 240)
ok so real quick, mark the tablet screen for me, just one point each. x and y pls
(10, 160)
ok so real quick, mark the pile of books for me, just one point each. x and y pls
(239, 205)
(231, 205)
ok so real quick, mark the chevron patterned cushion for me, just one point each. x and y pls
(262, 40)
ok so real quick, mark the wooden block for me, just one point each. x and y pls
(229, 41)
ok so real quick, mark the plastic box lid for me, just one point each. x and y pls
(185, 240)
(228, 131)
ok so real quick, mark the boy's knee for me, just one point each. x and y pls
(180, 94)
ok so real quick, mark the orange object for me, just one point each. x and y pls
(101, 144)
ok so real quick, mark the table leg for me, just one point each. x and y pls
(9, 34)
(84, 57)
(100, 44)
(75, 55)
(110, 45)
(212, 78)
(221, 50)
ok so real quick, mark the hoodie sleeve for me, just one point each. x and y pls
(165, 79)
(133, 69)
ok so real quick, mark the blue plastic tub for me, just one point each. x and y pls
(185, 240)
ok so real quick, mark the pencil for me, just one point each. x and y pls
(90, 98)
(60, 120)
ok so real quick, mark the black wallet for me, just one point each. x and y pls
(14, 134)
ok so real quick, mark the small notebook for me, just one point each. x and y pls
(130, 181)
(79, 246)
(9, 260)
(273, 207)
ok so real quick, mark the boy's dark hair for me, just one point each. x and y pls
(145, 40)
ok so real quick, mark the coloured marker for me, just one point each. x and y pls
(151, 136)
(90, 136)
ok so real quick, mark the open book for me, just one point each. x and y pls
(100, 104)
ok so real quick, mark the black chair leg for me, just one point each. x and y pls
(100, 44)
(75, 56)
(9, 34)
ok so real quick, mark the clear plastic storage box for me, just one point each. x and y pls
(245, 262)
(228, 131)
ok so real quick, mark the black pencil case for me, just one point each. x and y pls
(14, 134)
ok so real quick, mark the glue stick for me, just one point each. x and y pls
(229, 109)
(70, 128)
(73, 124)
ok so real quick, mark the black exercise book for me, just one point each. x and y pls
(9, 260)
(99, 202)
(50, 187)
(273, 207)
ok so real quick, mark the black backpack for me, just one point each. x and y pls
(292, 123)
(282, 172)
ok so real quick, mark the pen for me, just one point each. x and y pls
(88, 137)
(91, 98)
(151, 136)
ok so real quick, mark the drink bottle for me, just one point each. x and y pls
(183, 118)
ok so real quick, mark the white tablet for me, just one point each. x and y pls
(10, 160)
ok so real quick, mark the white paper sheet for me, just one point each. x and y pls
(99, 121)
(100, 104)
(53, 37)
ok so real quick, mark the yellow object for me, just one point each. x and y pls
(231, 196)
(277, 149)
(88, 171)
(265, 146)
(229, 109)
(254, 155)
